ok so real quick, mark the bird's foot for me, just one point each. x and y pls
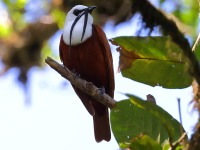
(101, 90)
(64, 66)
(76, 74)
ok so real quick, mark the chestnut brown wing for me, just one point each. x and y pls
(105, 47)
(69, 60)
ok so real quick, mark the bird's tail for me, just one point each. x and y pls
(101, 127)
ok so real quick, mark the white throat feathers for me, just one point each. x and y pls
(77, 19)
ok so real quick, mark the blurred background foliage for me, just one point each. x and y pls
(26, 26)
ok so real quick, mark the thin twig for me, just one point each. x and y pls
(85, 86)
(196, 43)
(175, 144)
(198, 38)
(179, 110)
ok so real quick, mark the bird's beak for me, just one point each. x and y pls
(91, 8)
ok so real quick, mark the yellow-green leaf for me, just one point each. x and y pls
(134, 117)
(153, 61)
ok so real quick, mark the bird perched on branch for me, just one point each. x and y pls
(84, 49)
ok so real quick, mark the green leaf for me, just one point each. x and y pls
(189, 14)
(172, 126)
(59, 16)
(144, 142)
(197, 52)
(153, 61)
(21, 3)
(5, 30)
(166, 146)
(134, 117)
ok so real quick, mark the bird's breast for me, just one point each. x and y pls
(76, 33)
(87, 60)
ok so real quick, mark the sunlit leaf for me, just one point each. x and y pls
(59, 17)
(197, 51)
(21, 3)
(153, 61)
(172, 126)
(5, 30)
(166, 146)
(134, 117)
(189, 14)
(144, 142)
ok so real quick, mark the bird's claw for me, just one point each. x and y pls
(101, 90)
(76, 74)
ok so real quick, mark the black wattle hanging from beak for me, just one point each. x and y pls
(85, 23)
(85, 11)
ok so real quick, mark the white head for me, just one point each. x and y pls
(78, 25)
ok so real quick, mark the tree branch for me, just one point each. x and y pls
(168, 26)
(88, 87)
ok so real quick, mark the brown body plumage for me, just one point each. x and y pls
(92, 60)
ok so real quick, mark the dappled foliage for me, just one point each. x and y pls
(22, 41)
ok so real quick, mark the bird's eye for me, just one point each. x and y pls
(77, 12)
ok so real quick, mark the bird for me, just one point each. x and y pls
(84, 49)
